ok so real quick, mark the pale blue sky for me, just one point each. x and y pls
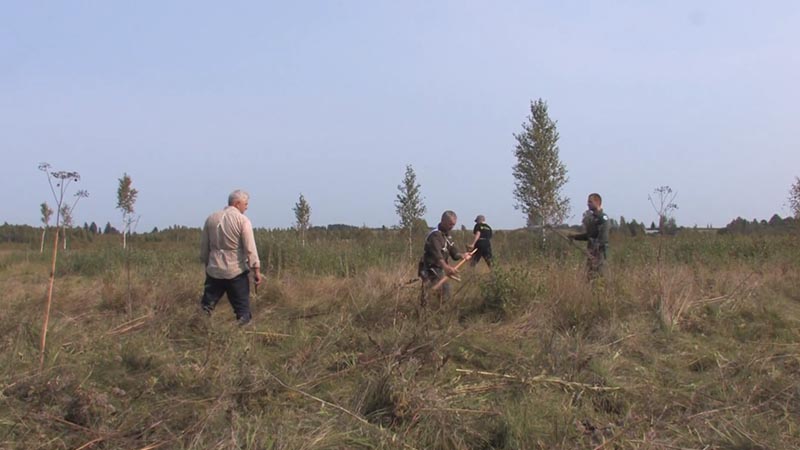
(333, 99)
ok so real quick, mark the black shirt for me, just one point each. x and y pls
(484, 229)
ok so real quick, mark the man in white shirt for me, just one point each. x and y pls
(228, 250)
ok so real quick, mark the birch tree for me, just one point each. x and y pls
(539, 173)
(409, 205)
(47, 213)
(126, 199)
(794, 198)
(302, 215)
(66, 222)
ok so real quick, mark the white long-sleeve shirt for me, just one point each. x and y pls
(227, 246)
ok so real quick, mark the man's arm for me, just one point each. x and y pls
(580, 236)
(250, 250)
(475, 241)
(448, 269)
(457, 256)
(205, 248)
(602, 232)
(452, 270)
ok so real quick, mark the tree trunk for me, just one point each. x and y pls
(544, 236)
(124, 239)
(41, 247)
(49, 301)
(410, 243)
(65, 238)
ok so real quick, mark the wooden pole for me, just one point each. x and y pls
(444, 280)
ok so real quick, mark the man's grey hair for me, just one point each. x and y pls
(449, 215)
(238, 195)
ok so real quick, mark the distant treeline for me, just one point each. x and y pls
(87, 233)
(776, 224)
(621, 227)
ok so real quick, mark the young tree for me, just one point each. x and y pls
(302, 215)
(794, 198)
(66, 222)
(47, 212)
(540, 175)
(126, 198)
(409, 205)
(66, 214)
(59, 182)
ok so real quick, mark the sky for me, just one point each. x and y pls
(332, 99)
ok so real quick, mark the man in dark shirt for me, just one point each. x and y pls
(439, 248)
(482, 242)
(596, 235)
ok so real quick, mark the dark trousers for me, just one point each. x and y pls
(238, 290)
(484, 250)
(596, 263)
(430, 277)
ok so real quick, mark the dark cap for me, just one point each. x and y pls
(480, 218)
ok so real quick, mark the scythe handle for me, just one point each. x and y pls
(445, 279)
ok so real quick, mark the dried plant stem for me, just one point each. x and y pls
(268, 334)
(49, 300)
(129, 325)
(541, 379)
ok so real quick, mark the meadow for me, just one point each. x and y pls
(691, 342)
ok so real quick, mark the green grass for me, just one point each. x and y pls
(342, 356)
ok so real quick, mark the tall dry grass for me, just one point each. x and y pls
(704, 354)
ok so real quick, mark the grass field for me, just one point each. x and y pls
(700, 349)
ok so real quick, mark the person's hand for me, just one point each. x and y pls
(467, 256)
(450, 270)
(469, 248)
(257, 277)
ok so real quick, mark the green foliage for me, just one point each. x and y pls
(410, 207)
(126, 195)
(794, 198)
(66, 216)
(302, 214)
(775, 225)
(126, 199)
(46, 212)
(409, 204)
(539, 173)
(504, 289)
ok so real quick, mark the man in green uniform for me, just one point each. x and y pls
(482, 242)
(439, 248)
(596, 235)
